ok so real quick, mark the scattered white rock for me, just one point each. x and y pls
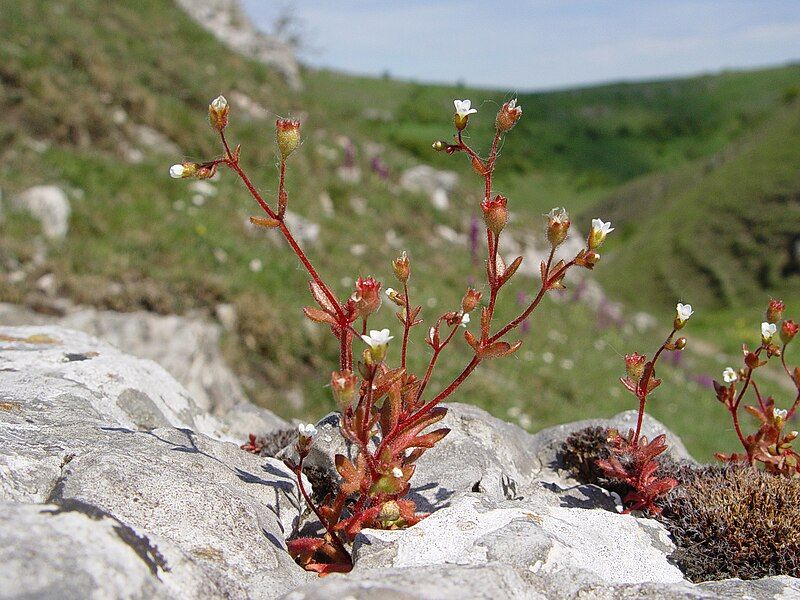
(203, 187)
(49, 205)
(246, 105)
(437, 185)
(255, 265)
(305, 231)
(326, 203)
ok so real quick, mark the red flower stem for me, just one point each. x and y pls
(233, 163)
(335, 538)
(649, 373)
(454, 385)
(758, 396)
(735, 415)
(406, 326)
(432, 362)
(532, 306)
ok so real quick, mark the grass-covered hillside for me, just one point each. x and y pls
(699, 175)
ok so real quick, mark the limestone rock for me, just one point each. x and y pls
(228, 22)
(106, 436)
(49, 205)
(187, 347)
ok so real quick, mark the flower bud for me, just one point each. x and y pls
(218, 113)
(507, 116)
(590, 259)
(287, 132)
(183, 170)
(634, 365)
(495, 213)
(779, 416)
(557, 226)
(680, 343)
(343, 385)
(402, 267)
(390, 512)
(788, 331)
(439, 145)
(395, 297)
(367, 296)
(470, 300)
(775, 310)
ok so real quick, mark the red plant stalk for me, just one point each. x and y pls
(769, 446)
(384, 416)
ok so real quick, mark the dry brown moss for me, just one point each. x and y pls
(734, 522)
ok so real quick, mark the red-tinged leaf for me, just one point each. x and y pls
(629, 384)
(318, 316)
(499, 349)
(414, 455)
(385, 381)
(320, 297)
(543, 271)
(435, 415)
(267, 222)
(512, 268)
(415, 312)
(303, 549)
(390, 411)
(428, 440)
(352, 475)
(327, 568)
(472, 341)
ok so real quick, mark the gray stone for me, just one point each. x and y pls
(228, 22)
(187, 347)
(48, 551)
(115, 438)
(49, 205)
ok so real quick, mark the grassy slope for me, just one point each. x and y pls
(66, 67)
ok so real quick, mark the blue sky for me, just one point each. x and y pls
(542, 44)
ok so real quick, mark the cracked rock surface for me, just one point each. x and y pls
(115, 484)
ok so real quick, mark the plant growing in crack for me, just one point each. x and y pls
(633, 458)
(387, 412)
(770, 445)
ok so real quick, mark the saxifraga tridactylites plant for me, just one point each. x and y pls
(384, 411)
(770, 445)
(633, 459)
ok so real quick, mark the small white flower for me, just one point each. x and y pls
(219, 103)
(684, 312)
(176, 171)
(729, 375)
(558, 215)
(600, 226)
(307, 430)
(398, 472)
(780, 413)
(377, 338)
(389, 292)
(768, 330)
(463, 108)
(464, 319)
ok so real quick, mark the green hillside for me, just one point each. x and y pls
(79, 80)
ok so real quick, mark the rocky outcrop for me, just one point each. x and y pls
(116, 484)
(187, 347)
(228, 22)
